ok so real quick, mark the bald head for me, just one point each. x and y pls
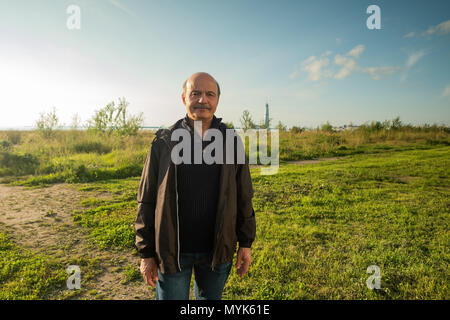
(199, 76)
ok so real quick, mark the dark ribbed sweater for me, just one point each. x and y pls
(198, 192)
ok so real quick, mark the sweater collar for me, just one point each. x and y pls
(184, 123)
(215, 123)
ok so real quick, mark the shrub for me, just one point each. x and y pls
(15, 137)
(281, 126)
(18, 164)
(47, 123)
(295, 129)
(396, 123)
(112, 119)
(81, 173)
(327, 127)
(229, 125)
(5, 144)
(247, 121)
(91, 147)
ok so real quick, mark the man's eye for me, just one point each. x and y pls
(194, 94)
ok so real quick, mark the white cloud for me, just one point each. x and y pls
(356, 51)
(348, 66)
(318, 68)
(294, 74)
(446, 92)
(413, 58)
(314, 67)
(120, 6)
(340, 60)
(378, 72)
(441, 29)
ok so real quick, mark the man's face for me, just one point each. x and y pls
(201, 98)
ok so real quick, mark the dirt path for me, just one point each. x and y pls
(41, 221)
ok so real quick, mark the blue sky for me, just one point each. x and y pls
(313, 61)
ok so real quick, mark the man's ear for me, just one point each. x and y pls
(183, 98)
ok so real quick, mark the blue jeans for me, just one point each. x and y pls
(208, 283)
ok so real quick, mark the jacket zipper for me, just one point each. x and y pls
(178, 220)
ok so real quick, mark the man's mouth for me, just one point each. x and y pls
(202, 107)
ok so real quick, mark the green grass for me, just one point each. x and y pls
(320, 226)
(131, 274)
(25, 275)
(111, 221)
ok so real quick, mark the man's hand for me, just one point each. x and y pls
(244, 257)
(149, 270)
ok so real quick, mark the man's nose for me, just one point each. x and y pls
(203, 98)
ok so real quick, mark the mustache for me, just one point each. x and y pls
(200, 106)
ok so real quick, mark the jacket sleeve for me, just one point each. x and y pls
(246, 223)
(144, 225)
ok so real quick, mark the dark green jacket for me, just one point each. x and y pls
(156, 225)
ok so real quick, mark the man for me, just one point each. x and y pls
(192, 216)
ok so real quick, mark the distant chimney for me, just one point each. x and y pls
(266, 120)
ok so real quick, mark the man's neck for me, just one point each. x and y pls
(206, 124)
